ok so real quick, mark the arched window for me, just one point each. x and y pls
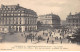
(25, 28)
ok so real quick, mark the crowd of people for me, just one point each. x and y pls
(49, 36)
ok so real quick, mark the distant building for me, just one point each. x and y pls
(17, 18)
(50, 20)
(73, 21)
(63, 23)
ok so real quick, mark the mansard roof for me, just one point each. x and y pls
(26, 10)
(54, 16)
(77, 15)
(19, 8)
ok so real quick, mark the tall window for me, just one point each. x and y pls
(12, 11)
(16, 20)
(28, 20)
(18, 14)
(11, 20)
(0, 20)
(15, 14)
(7, 20)
(25, 21)
(8, 14)
(11, 14)
(20, 20)
(4, 20)
(1, 14)
(4, 14)
(22, 14)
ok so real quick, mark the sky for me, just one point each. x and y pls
(41, 7)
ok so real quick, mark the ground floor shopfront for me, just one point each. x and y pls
(17, 28)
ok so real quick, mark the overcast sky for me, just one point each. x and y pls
(59, 7)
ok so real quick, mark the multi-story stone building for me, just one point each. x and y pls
(50, 20)
(17, 18)
(73, 21)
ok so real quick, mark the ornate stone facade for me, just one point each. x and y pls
(17, 18)
(50, 20)
(73, 21)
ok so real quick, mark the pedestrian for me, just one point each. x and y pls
(60, 34)
(68, 41)
(60, 38)
(52, 41)
(21, 34)
(31, 38)
(38, 38)
(50, 35)
(57, 38)
(24, 32)
(26, 38)
(61, 41)
(43, 33)
(47, 39)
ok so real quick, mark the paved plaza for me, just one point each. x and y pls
(45, 37)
